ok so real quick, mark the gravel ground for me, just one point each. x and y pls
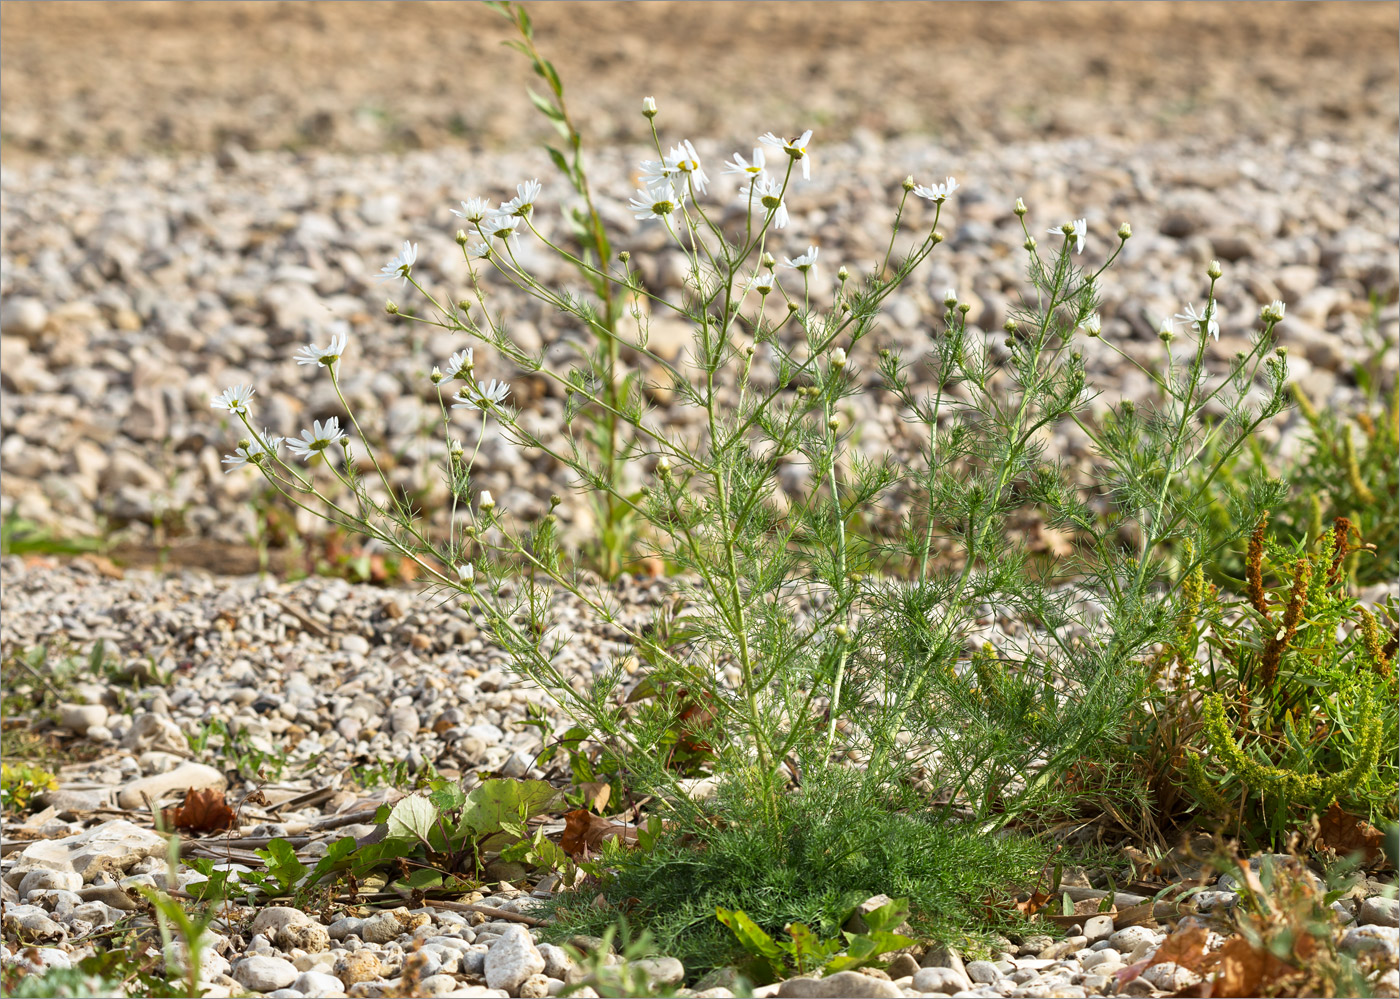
(235, 197)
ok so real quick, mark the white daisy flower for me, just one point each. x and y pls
(649, 106)
(1207, 316)
(657, 172)
(477, 397)
(687, 160)
(503, 225)
(1093, 324)
(795, 148)
(479, 251)
(400, 265)
(1273, 312)
(1075, 231)
(317, 439)
(466, 573)
(753, 169)
(937, 193)
(807, 263)
(526, 195)
(252, 452)
(473, 210)
(764, 282)
(459, 365)
(324, 356)
(658, 202)
(769, 193)
(234, 399)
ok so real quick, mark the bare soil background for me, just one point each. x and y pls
(107, 78)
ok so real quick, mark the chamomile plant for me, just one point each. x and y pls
(797, 653)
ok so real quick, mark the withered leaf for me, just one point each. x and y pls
(585, 832)
(1348, 834)
(1243, 970)
(596, 794)
(1186, 948)
(204, 810)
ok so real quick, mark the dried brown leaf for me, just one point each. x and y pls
(1348, 834)
(204, 810)
(585, 832)
(596, 794)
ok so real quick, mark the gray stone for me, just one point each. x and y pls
(944, 980)
(556, 960)
(344, 927)
(842, 985)
(380, 928)
(31, 925)
(1364, 939)
(185, 777)
(264, 973)
(1098, 928)
(78, 718)
(317, 983)
(41, 879)
(1170, 977)
(23, 316)
(1379, 911)
(1129, 938)
(155, 731)
(291, 929)
(512, 959)
(661, 970)
(75, 801)
(112, 846)
(983, 972)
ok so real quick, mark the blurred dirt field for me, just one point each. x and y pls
(117, 78)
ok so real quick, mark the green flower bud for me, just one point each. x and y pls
(1125, 231)
(1020, 208)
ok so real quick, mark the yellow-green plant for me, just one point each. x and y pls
(1296, 698)
(20, 782)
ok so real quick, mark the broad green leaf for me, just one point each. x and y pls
(750, 935)
(424, 877)
(336, 857)
(412, 818)
(447, 795)
(496, 802)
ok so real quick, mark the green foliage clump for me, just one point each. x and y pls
(830, 848)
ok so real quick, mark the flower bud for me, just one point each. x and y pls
(838, 358)
(554, 500)
(486, 503)
(1010, 326)
(950, 298)
(768, 260)
(435, 376)
(1093, 324)
(464, 306)
(391, 308)
(964, 308)
(1125, 231)
(1167, 332)
(244, 443)
(663, 467)
(842, 274)
(908, 184)
(935, 237)
(1213, 271)
(1272, 313)
(1280, 351)
(1009, 343)
(1030, 243)
(466, 573)
(1020, 208)
(833, 424)
(792, 307)
(841, 631)
(461, 237)
(885, 353)
(649, 107)
(625, 256)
